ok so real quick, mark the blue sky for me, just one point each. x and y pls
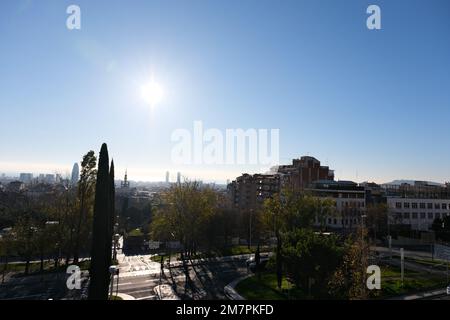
(373, 105)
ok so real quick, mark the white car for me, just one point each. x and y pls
(448, 290)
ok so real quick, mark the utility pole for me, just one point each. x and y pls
(250, 230)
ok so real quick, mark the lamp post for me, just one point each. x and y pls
(116, 241)
(362, 247)
(250, 230)
(113, 270)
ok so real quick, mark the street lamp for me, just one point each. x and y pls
(114, 270)
(250, 230)
(362, 244)
(116, 241)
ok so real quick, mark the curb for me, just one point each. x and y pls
(230, 291)
(421, 295)
(125, 296)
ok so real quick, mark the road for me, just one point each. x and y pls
(204, 279)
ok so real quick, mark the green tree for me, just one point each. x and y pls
(258, 261)
(349, 280)
(310, 260)
(86, 188)
(6, 249)
(25, 238)
(112, 215)
(101, 244)
(290, 210)
(377, 219)
(185, 215)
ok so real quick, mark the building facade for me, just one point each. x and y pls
(349, 199)
(302, 172)
(417, 204)
(249, 191)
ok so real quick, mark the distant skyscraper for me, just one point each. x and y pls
(178, 177)
(50, 178)
(167, 176)
(26, 177)
(75, 174)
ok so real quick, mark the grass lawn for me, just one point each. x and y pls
(234, 250)
(157, 258)
(215, 253)
(266, 289)
(35, 267)
(441, 265)
(391, 284)
(135, 233)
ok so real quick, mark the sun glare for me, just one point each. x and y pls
(152, 93)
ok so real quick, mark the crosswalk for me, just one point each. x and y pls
(132, 266)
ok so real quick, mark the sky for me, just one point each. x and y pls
(374, 105)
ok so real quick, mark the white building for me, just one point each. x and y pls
(417, 204)
(419, 213)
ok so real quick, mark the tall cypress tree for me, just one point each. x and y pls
(99, 271)
(112, 192)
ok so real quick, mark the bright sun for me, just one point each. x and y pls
(152, 93)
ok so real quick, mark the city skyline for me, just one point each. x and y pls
(356, 99)
(172, 176)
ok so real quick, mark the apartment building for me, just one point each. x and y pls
(304, 171)
(349, 200)
(249, 191)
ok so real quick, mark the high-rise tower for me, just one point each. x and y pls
(75, 174)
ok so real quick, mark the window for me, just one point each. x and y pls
(414, 205)
(398, 205)
(437, 215)
(406, 215)
(329, 220)
(414, 215)
(422, 205)
(335, 221)
(444, 206)
(429, 205)
(422, 215)
(437, 206)
(430, 215)
(406, 205)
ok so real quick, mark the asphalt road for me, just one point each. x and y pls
(198, 280)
